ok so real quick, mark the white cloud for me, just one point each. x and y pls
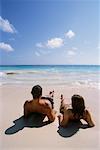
(42, 52)
(54, 43)
(6, 26)
(40, 45)
(74, 48)
(71, 53)
(98, 46)
(37, 53)
(6, 47)
(70, 34)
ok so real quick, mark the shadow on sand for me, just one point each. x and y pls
(71, 129)
(33, 121)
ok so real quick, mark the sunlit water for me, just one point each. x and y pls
(71, 75)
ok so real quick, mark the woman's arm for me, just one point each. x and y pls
(88, 119)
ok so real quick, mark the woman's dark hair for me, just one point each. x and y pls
(78, 105)
(36, 91)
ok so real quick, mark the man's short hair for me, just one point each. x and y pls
(36, 91)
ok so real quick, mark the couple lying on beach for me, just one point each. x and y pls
(45, 106)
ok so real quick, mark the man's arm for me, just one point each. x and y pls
(51, 114)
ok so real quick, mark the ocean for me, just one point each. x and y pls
(71, 75)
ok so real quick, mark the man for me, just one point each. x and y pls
(39, 104)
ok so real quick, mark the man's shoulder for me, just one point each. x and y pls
(45, 103)
(28, 102)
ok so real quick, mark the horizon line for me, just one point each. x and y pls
(50, 64)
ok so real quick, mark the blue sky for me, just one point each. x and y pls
(49, 32)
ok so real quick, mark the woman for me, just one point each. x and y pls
(76, 113)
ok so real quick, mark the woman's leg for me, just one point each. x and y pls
(63, 105)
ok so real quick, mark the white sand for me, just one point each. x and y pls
(12, 99)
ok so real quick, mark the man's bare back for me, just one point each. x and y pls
(40, 105)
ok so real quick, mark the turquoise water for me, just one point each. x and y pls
(71, 75)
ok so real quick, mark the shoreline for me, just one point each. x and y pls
(50, 85)
(71, 75)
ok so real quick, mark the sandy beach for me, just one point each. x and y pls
(18, 135)
(54, 44)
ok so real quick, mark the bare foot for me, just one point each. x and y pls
(62, 98)
(51, 94)
(59, 116)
